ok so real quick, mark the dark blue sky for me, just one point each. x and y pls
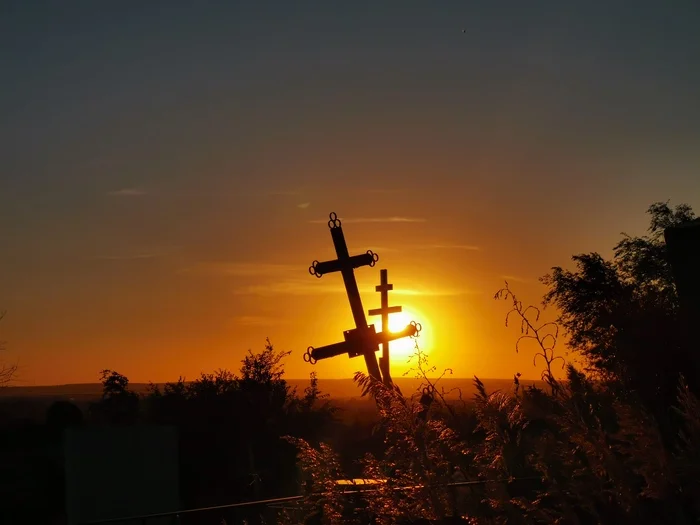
(139, 140)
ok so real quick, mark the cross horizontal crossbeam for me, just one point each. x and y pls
(358, 342)
(388, 310)
(356, 261)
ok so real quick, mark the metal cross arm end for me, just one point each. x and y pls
(308, 356)
(409, 331)
(324, 352)
(318, 269)
(417, 328)
(313, 269)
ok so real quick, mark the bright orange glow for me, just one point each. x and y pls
(402, 349)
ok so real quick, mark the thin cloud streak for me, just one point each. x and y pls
(387, 191)
(287, 288)
(301, 288)
(243, 269)
(464, 247)
(304, 205)
(127, 192)
(384, 249)
(133, 257)
(514, 279)
(254, 320)
(373, 191)
(152, 252)
(433, 293)
(359, 220)
(287, 193)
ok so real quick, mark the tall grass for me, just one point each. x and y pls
(578, 451)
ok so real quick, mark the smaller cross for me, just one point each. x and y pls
(384, 311)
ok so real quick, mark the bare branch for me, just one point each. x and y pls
(7, 374)
(7, 371)
(546, 341)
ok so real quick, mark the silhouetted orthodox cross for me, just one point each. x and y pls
(384, 288)
(346, 265)
(363, 339)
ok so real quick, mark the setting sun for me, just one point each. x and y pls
(402, 349)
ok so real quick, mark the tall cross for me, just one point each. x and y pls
(346, 265)
(384, 288)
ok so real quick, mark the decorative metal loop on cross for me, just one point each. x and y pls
(334, 221)
(308, 358)
(363, 340)
(418, 328)
(313, 271)
(374, 256)
(426, 400)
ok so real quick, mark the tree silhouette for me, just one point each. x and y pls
(118, 404)
(230, 426)
(622, 314)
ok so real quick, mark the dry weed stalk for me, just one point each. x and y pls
(545, 335)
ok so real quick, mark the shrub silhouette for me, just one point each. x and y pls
(230, 427)
(584, 451)
(623, 315)
(118, 404)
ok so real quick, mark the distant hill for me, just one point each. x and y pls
(336, 388)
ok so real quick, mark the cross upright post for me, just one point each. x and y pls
(384, 288)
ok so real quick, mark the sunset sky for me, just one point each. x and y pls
(167, 170)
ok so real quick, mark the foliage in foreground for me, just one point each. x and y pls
(576, 452)
(229, 426)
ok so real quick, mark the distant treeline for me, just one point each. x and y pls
(337, 389)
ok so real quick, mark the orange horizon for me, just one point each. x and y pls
(160, 219)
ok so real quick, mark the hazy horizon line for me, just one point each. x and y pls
(133, 383)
